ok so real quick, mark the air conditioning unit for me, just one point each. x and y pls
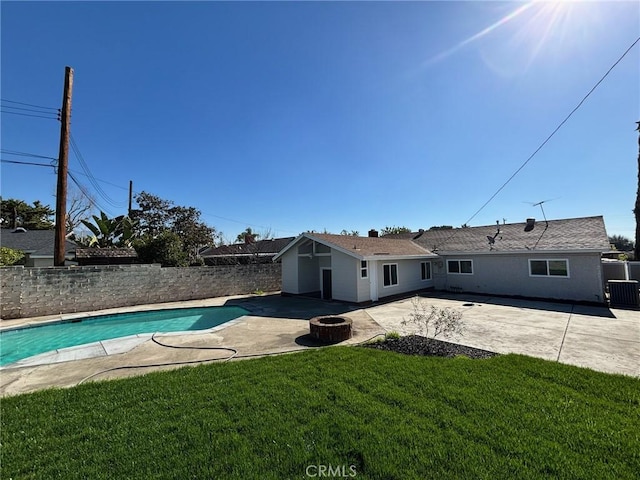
(624, 293)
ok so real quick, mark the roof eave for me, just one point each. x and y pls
(399, 257)
(521, 252)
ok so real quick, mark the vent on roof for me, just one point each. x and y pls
(20, 230)
(531, 223)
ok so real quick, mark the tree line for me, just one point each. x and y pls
(159, 230)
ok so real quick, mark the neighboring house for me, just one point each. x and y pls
(260, 251)
(558, 259)
(37, 245)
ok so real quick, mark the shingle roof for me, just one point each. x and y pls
(84, 253)
(35, 242)
(587, 233)
(372, 246)
(260, 247)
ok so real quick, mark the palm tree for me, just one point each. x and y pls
(110, 232)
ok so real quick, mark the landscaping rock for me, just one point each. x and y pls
(417, 345)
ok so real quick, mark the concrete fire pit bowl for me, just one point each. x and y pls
(330, 329)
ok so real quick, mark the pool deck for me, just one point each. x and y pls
(603, 339)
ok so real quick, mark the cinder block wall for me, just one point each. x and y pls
(30, 292)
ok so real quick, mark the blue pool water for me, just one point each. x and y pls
(26, 342)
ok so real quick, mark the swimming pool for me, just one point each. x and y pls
(20, 343)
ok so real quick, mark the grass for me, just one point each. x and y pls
(360, 411)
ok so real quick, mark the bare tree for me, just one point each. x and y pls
(79, 208)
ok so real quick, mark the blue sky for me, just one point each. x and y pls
(299, 116)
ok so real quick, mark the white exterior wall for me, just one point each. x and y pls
(344, 271)
(409, 277)
(509, 275)
(363, 285)
(38, 262)
(290, 272)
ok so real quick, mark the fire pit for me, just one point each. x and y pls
(330, 329)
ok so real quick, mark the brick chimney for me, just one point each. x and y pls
(373, 233)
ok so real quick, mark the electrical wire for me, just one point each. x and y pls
(27, 109)
(27, 104)
(92, 179)
(85, 192)
(524, 164)
(28, 115)
(25, 154)
(100, 180)
(28, 163)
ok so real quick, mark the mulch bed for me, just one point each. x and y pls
(417, 345)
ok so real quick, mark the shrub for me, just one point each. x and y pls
(10, 256)
(393, 335)
(431, 321)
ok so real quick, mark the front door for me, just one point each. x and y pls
(326, 284)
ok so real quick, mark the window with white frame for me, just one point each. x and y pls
(364, 269)
(464, 267)
(390, 274)
(549, 268)
(425, 270)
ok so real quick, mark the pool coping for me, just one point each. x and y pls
(113, 346)
(104, 348)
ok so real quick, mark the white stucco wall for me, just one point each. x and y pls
(344, 271)
(509, 275)
(290, 272)
(409, 277)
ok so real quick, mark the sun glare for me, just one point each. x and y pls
(532, 30)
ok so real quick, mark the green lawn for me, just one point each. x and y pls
(363, 412)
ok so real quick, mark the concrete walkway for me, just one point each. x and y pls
(602, 339)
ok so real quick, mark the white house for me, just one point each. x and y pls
(558, 259)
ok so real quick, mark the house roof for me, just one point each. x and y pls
(566, 235)
(572, 234)
(93, 253)
(366, 247)
(261, 248)
(37, 243)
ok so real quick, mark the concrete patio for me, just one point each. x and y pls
(607, 340)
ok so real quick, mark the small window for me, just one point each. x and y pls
(390, 274)
(549, 268)
(425, 270)
(364, 270)
(460, 266)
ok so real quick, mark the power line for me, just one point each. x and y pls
(101, 181)
(554, 132)
(28, 163)
(25, 154)
(546, 140)
(85, 192)
(28, 115)
(90, 176)
(28, 104)
(27, 109)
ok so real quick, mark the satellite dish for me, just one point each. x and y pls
(491, 239)
(531, 223)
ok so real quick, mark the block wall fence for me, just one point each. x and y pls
(30, 292)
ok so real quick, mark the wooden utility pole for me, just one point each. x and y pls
(63, 167)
